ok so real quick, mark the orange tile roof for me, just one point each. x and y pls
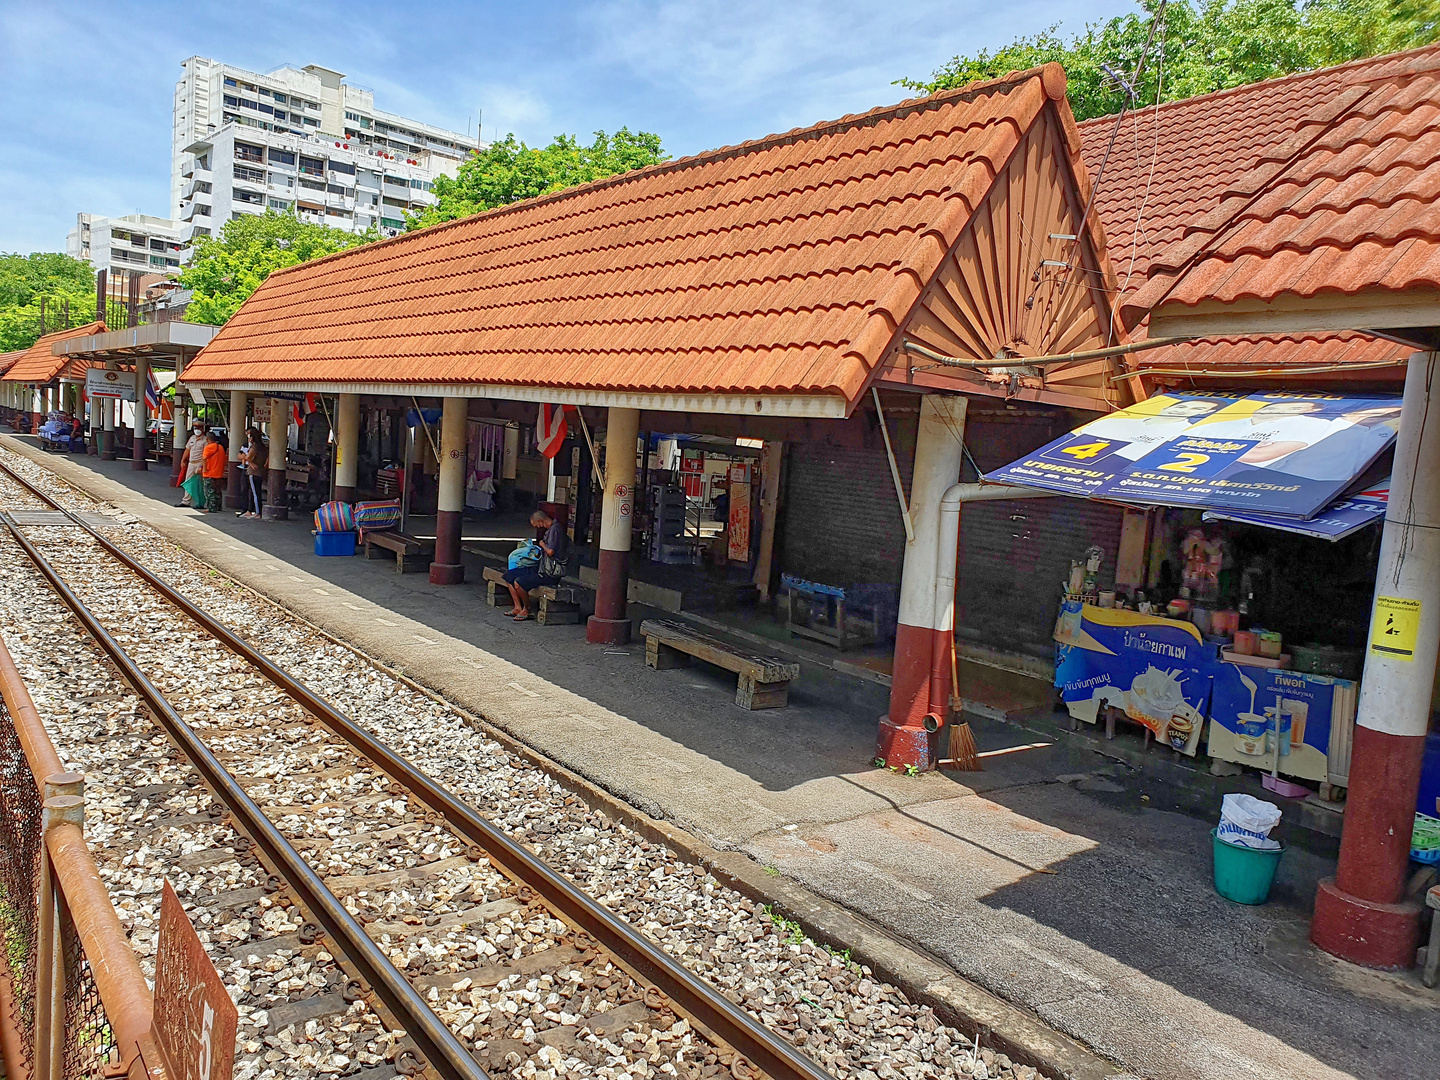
(7, 360)
(38, 364)
(1170, 169)
(1340, 198)
(779, 267)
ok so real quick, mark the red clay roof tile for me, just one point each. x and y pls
(38, 364)
(782, 266)
(1343, 202)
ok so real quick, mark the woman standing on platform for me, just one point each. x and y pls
(254, 457)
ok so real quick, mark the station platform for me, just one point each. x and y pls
(1067, 881)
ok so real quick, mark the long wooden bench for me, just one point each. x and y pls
(558, 604)
(764, 681)
(412, 555)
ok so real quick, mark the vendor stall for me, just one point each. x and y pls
(1245, 618)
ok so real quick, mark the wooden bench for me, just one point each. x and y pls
(764, 681)
(412, 555)
(559, 604)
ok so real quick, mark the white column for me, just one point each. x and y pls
(611, 622)
(447, 569)
(347, 447)
(939, 452)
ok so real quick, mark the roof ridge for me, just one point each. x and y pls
(1296, 76)
(1047, 73)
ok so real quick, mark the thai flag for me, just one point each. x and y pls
(551, 430)
(152, 393)
(302, 409)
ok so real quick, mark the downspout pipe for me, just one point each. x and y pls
(947, 554)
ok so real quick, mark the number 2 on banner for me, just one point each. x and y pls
(1085, 451)
(1185, 462)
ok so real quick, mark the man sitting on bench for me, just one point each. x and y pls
(548, 571)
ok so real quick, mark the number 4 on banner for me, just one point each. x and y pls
(195, 1019)
(1086, 451)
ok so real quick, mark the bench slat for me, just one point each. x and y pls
(762, 669)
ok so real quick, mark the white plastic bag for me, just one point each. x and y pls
(1247, 821)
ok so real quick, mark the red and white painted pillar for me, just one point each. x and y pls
(37, 409)
(140, 425)
(108, 406)
(180, 425)
(236, 488)
(610, 625)
(920, 641)
(277, 507)
(447, 569)
(347, 447)
(1361, 914)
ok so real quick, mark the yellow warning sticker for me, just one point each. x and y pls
(1393, 629)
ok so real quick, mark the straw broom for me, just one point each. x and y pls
(961, 750)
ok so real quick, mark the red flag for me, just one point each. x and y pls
(551, 429)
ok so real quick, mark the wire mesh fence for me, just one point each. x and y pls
(20, 839)
(89, 1039)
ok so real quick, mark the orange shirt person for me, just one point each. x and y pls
(213, 473)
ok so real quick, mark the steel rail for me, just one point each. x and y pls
(438, 1045)
(690, 994)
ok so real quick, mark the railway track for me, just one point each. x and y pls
(457, 933)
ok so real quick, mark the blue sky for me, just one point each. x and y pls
(86, 88)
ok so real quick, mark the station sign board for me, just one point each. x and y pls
(195, 1020)
(118, 385)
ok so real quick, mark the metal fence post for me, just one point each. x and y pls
(50, 967)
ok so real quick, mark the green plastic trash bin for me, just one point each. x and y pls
(1244, 874)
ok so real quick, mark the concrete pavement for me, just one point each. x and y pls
(1051, 878)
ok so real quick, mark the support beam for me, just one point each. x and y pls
(610, 625)
(180, 427)
(1362, 914)
(235, 485)
(37, 410)
(939, 452)
(140, 439)
(347, 447)
(276, 506)
(771, 457)
(447, 569)
(106, 441)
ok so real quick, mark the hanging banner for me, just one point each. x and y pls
(550, 430)
(116, 385)
(739, 523)
(1156, 671)
(1287, 454)
(1337, 521)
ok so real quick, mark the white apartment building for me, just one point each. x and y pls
(298, 139)
(135, 244)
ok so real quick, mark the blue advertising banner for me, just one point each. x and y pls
(1285, 454)
(1335, 522)
(1156, 670)
(1246, 703)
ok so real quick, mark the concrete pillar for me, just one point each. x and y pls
(37, 409)
(141, 444)
(611, 624)
(92, 416)
(347, 447)
(1361, 914)
(509, 459)
(107, 434)
(939, 450)
(236, 490)
(179, 429)
(447, 569)
(276, 506)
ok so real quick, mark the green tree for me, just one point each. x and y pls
(224, 270)
(42, 278)
(1201, 46)
(508, 171)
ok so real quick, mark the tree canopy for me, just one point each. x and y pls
(508, 171)
(1200, 47)
(43, 276)
(224, 270)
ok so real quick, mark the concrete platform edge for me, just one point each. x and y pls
(1006, 1028)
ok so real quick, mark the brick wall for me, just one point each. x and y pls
(841, 522)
